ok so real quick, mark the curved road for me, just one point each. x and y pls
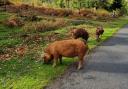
(107, 67)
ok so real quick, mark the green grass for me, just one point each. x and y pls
(29, 73)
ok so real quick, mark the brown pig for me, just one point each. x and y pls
(65, 48)
(99, 32)
(79, 33)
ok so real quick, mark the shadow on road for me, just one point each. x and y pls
(108, 67)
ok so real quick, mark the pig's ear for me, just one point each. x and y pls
(45, 56)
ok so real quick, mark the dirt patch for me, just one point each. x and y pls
(13, 22)
(52, 37)
(5, 57)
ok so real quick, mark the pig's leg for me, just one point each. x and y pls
(60, 59)
(81, 61)
(97, 37)
(101, 36)
(55, 60)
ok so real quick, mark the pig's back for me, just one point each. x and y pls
(68, 47)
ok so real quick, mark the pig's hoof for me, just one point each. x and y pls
(79, 68)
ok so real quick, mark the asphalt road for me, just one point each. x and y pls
(106, 68)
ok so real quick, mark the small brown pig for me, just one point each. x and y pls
(65, 48)
(99, 32)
